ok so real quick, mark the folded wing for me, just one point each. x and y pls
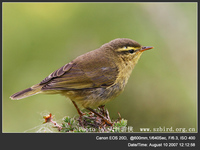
(80, 74)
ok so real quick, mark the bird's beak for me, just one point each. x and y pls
(144, 48)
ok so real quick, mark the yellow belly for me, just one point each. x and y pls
(94, 97)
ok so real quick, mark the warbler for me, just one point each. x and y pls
(94, 78)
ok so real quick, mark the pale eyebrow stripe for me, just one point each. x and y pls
(127, 49)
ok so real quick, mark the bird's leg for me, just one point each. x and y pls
(80, 114)
(101, 108)
(104, 112)
(102, 117)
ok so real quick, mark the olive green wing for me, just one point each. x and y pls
(80, 75)
(66, 78)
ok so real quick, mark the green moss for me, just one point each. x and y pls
(72, 125)
(97, 121)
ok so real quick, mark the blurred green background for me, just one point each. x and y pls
(39, 38)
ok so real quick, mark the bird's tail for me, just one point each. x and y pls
(27, 92)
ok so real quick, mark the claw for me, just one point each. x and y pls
(107, 121)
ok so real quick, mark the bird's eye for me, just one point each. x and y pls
(131, 51)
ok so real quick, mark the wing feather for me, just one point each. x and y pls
(82, 74)
(57, 73)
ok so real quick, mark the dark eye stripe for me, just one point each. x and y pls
(131, 51)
